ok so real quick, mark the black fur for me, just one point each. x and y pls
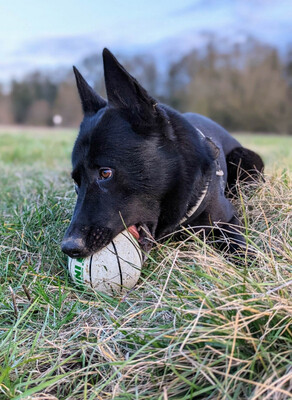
(163, 164)
(242, 165)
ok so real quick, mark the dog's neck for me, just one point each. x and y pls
(183, 204)
(196, 208)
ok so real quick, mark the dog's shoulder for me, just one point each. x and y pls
(220, 136)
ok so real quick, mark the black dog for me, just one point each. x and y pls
(142, 164)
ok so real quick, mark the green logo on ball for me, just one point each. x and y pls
(78, 271)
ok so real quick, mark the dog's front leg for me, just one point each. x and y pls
(231, 237)
(228, 231)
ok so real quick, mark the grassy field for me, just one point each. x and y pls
(196, 325)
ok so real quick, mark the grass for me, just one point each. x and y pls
(196, 326)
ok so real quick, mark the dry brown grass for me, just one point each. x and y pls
(196, 326)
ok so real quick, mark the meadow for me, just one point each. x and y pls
(197, 325)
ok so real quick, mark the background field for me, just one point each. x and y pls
(51, 148)
(196, 326)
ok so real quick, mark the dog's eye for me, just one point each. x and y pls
(105, 173)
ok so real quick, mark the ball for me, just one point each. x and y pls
(113, 269)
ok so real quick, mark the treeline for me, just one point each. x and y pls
(247, 88)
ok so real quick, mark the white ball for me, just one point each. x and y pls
(113, 269)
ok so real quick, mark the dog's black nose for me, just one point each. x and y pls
(73, 247)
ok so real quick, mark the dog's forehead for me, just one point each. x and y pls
(106, 126)
(105, 135)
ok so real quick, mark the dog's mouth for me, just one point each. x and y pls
(99, 238)
(143, 234)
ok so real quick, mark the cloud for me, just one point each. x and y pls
(190, 27)
(204, 5)
(60, 47)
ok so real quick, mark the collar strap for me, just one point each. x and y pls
(200, 200)
(203, 195)
(200, 132)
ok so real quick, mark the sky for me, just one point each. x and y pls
(49, 34)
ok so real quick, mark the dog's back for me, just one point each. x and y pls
(242, 164)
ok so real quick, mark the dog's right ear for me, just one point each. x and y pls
(124, 91)
(90, 100)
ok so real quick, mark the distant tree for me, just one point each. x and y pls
(288, 75)
(180, 75)
(39, 113)
(32, 88)
(67, 104)
(92, 70)
(6, 116)
(242, 89)
(142, 67)
(21, 98)
(288, 66)
(247, 86)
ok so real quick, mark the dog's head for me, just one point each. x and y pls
(121, 161)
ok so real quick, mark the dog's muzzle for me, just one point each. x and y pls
(85, 241)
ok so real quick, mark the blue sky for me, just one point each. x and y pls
(47, 34)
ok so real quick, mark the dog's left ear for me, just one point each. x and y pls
(125, 92)
(91, 101)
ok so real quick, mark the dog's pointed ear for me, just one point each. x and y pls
(124, 91)
(90, 100)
